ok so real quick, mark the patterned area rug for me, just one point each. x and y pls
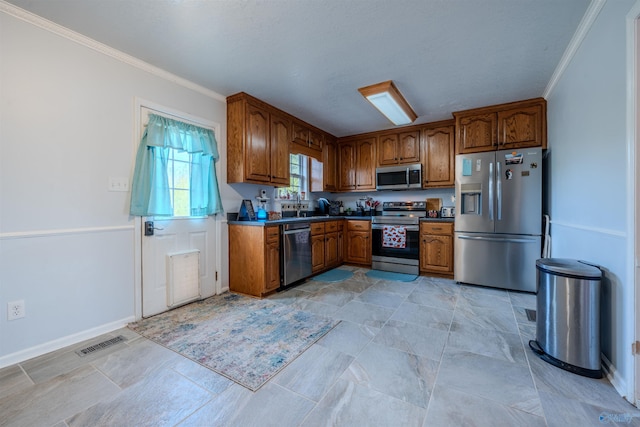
(335, 275)
(245, 339)
(389, 275)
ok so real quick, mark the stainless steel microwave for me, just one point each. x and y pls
(405, 177)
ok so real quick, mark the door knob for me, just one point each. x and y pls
(149, 228)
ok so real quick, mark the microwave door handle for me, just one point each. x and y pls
(499, 189)
(491, 191)
(407, 178)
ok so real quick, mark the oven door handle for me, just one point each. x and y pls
(407, 227)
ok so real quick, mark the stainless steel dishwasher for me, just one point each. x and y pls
(296, 256)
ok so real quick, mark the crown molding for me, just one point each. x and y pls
(581, 32)
(59, 30)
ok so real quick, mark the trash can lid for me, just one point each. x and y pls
(569, 267)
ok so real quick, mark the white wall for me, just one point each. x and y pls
(66, 126)
(587, 193)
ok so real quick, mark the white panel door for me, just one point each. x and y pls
(171, 236)
(174, 235)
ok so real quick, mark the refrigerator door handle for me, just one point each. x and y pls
(499, 189)
(491, 175)
(497, 239)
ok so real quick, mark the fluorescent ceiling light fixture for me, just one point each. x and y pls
(390, 102)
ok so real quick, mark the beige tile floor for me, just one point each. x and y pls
(423, 353)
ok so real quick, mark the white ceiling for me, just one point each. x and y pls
(309, 57)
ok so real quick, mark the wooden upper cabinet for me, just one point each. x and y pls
(399, 148)
(304, 136)
(505, 126)
(438, 160)
(366, 164)
(316, 140)
(300, 134)
(258, 148)
(476, 133)
(280, 136)
(258, 138)
(522, 127)
(347, 166)
(329, 160)
(409, 147)
(388, 150)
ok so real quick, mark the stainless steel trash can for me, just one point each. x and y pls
(568, 315)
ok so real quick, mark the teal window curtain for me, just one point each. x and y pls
(150, 192)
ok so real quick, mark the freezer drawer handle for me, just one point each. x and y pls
(495, 239)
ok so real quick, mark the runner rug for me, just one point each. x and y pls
(245, 339)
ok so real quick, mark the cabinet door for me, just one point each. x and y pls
(340, 247)
(300, 134)
(329, 155)
(476, 133)
(315, 140)
(436, 253)
(366, 164)
(438, 155)
(388, 150)
(257, 150)
(330, 249)
(409, 147)
(280, 137)
(521, 127)
(358, 247)
(347, 175)
(273, 266)
(317, 253)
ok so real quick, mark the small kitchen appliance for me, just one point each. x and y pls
(404, 177)
(447, 212)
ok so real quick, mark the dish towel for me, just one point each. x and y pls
(394, 236)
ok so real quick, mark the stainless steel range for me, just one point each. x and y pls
(396, 244)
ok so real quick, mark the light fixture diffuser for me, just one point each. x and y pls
(389, 101)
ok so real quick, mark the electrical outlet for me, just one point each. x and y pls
(15, 310)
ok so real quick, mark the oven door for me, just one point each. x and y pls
(410, 251)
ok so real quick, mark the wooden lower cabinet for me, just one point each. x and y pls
(254, 259)
(325, 250)
(358, 243)
(317, 247)
(436, 248)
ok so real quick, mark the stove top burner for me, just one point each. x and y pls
(401, 213)
(404, 206)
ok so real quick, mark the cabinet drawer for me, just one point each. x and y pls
(358, 225)
(442, 228)
(330, 226)
(317, 228)
(273, 234)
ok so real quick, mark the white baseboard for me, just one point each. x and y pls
(618, 382)
(39, 350)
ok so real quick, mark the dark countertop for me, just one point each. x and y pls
(436, 219)
(321, 218)
(301, 219)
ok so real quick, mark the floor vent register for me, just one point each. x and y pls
(100, 346)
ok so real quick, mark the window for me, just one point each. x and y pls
(298, 168)
(178, 172)
(175, 171)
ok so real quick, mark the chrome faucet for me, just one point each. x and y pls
(298, 205)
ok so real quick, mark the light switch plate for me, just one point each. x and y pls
(118, 184)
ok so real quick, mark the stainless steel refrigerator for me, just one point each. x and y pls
(498, 220)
